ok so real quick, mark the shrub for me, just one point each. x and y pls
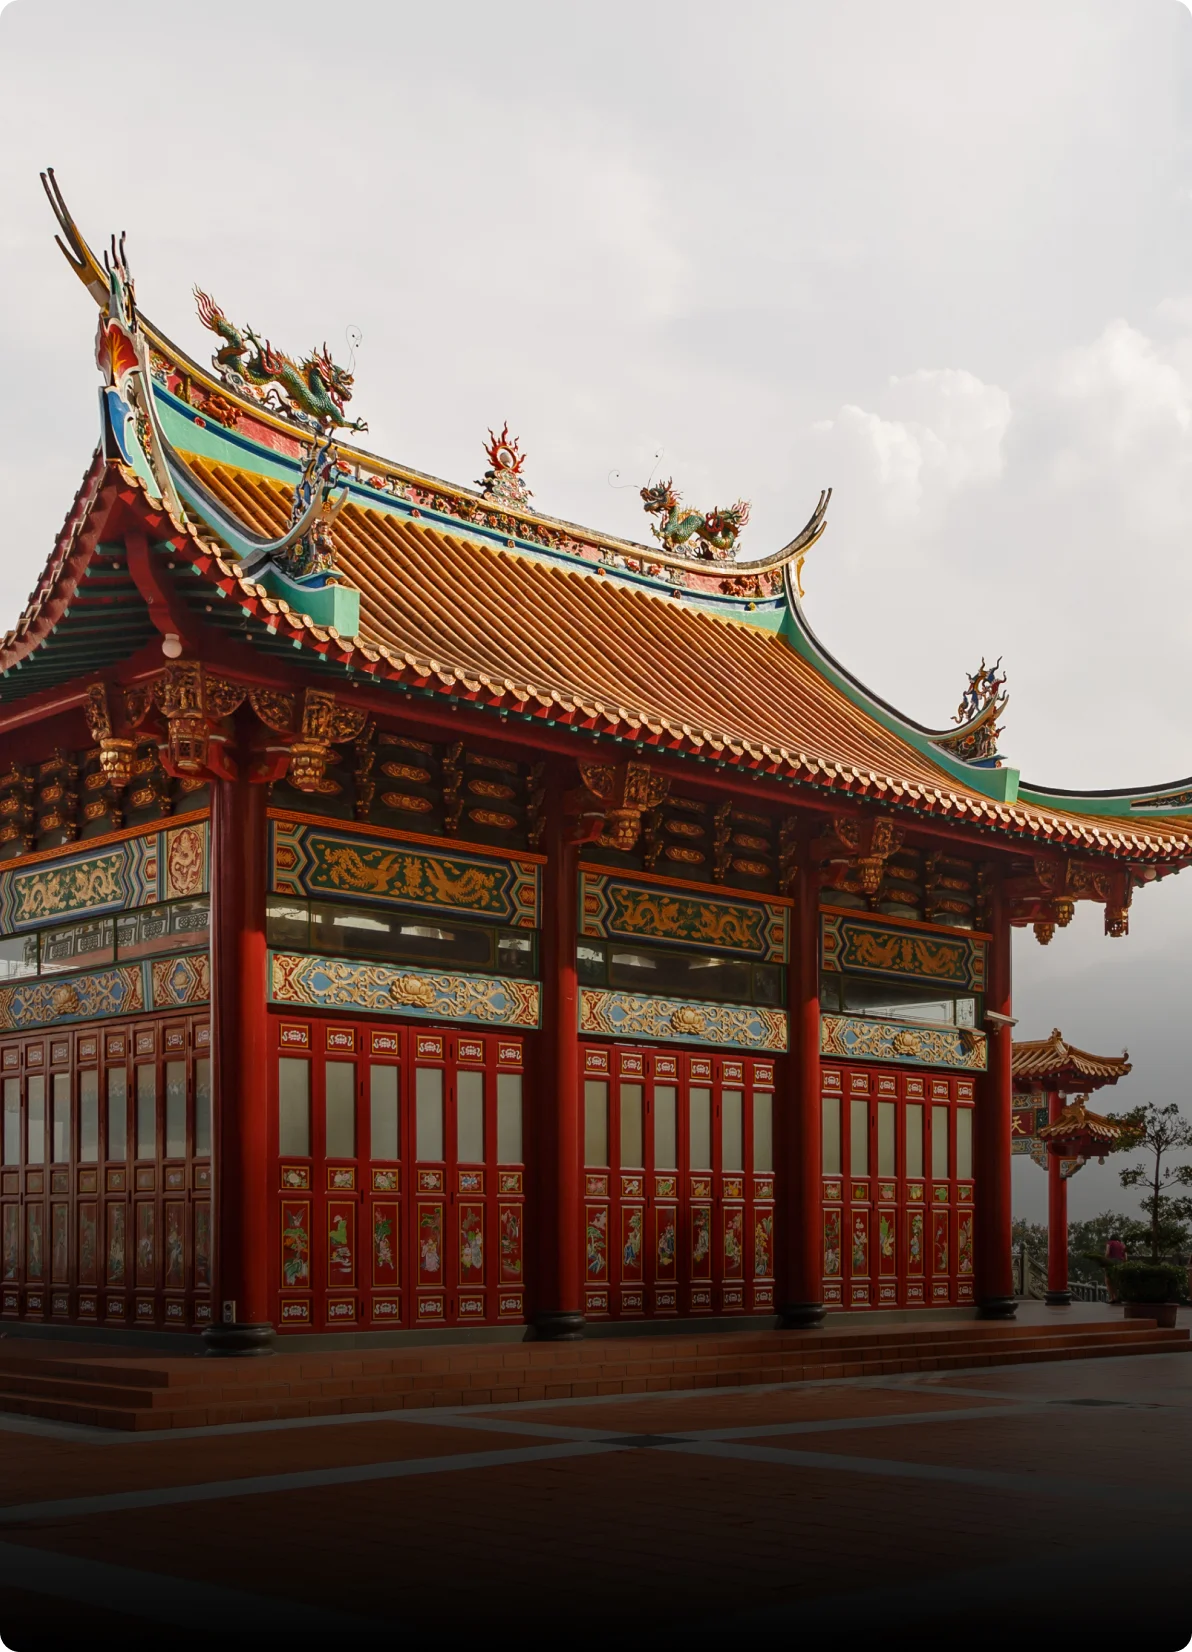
(1149, 1281)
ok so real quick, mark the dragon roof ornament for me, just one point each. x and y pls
(312, 392)
(715, 532)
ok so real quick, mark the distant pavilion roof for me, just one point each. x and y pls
(1053, 1064)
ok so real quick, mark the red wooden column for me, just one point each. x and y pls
(239, 1071)
(558, 1311)
(1058, 1294)
(995, 1284)
(800, 1188)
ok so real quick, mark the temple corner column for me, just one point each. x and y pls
(558, 1295)
(242, 1323)
(995, 1282)
(801, 1188)
(1058, 1293)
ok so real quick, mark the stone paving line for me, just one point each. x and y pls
(569, 1441)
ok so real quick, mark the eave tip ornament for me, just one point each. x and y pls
(982, 703)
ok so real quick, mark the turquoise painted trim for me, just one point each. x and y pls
(176, 981)
(856, 1038)
(308, 980)
(335, 606)
(605, 1014)
(1118, 805)
(213, 441)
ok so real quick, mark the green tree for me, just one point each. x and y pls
(1161, 1133)
(1029, 1235)
(1090, 1237)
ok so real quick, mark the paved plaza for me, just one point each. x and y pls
(1050, 1504)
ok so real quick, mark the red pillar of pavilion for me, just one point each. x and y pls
(239, 1071)
(995, 1284)
(803, 1123)
(558, 1314)
(1058, 1294)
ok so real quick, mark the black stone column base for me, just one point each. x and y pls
(801, 1316)
(997, 1307)
(559, 1325)
(1058, 1299)
(238, 1341)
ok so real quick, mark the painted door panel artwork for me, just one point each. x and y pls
(406, 1146)
(679, 1182)
(897, 1187)
(107, 1144)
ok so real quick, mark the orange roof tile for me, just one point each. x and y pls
(1055, 1064)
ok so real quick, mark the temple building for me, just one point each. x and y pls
(418, 912)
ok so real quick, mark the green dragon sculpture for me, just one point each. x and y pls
(313, 391)
(715, 532)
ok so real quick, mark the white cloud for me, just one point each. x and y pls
(945, 432)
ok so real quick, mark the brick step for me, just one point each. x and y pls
(225, 1392)
(201, 1382)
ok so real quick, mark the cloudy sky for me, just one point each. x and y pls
(937, 255)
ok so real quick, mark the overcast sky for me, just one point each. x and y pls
(935, 254)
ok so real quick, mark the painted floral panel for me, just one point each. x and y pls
(471, 1244)
(117, 1223)
(859, 1234)
(341, 1244)
(295, 1244)
(832, 1244)
(914, 1242)
(734, 1242)
(60, 1243)
(145, 1242)
(430, 1244)
(384, 1244)
(939, 1241)
(701, 1241)
(175, 1273)
(596, 1222)
(964, 1242)
(632, 1224)
(509, 1221)
(763, 1245)
(88, 1245)
(667, 1225)
(203, 1247)
(887, 1257)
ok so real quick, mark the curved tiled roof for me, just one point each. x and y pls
(1055, 1064)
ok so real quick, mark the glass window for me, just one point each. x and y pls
(684, 974)
(631, 1126)
(158, 928)
(383, 1123)
(515, 952)
(831, 1136)
(117, 1113)
(175, 1109)
(763, 1130)
(147, 1112)
(12, 1121)
(509, 1118)
(964, 1142)
(18, 957)
(666, 1143)
(428, 1112)
(339, 1102)
(858, 1137)
(885, 1139)
(768, 985)
(60, 1124)
(939, 1141)
(914, 1138)
(595, 1121)
(903, 1001)
(700, 1132)
(287, 922)
(78, 946)
(416, 938)
(469, 1116)
(732, 1130)
(88, 1116)
(35, 1114)
(590, 963)
(203, 1105)
(293, 1106)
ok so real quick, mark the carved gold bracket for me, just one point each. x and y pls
(195, 705)
(609, 806)
(309, 730)
(1046, 897)
(855, 851)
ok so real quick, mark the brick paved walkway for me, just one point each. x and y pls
(1048, 1505)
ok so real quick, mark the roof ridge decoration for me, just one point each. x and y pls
(281, 403)
(311, 392)
(982, 703)
(715, 532)
(503, 480)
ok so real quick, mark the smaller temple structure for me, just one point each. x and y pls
(1046, 1071)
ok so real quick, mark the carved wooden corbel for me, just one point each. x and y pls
(608, 808)
(855, 851)
(308, 729)
(1046, 897)
(112, 733)
(196, 706)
